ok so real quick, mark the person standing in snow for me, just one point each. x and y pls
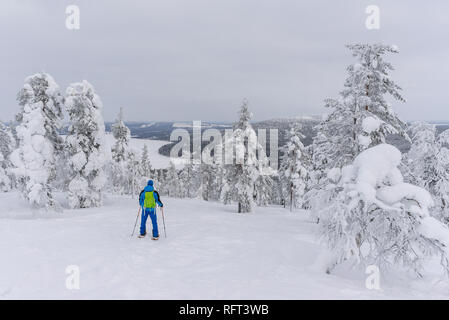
(147, 200)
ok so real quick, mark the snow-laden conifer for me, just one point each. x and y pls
(427, 165)
(361, 117)
(39, 142)
(293, 169)
(7, 145)
(376, 218)
(85, 144)
(244, 171)
(120, 151)
(172, 182)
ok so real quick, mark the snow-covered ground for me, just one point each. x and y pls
(211, 252)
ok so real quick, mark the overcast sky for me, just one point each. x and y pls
(172, 60)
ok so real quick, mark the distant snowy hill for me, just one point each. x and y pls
(282, 125)
(162, 130)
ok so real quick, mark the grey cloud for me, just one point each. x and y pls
(197, 59)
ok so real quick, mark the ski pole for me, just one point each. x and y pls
(163, 220)
(135, 224)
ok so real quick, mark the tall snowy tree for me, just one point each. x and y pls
(191, 180)
(277, 194)
(160, 177)
(228, 188)
(361, 117)
(133, 175)
(172, 182)
(85, 143)
(145, 169)
(145, 162)
(122, 136)
(263, 187)
(244, 171)
(209, 181)
(120, 151)
(6, 147)
(293, 169)
(39, 142)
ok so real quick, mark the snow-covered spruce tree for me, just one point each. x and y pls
(264, 184)
(186, 176)
(184, 183)
(145, 164)
(122, 137)
(160, 177)
(210, 180)
(228, 188)
(277, 194)
(263, 187)
(361, 117)
(441, 188)
(376, 218)
(85, 144)
(7, 145)
(244, 172)
(120, 150)
(191, 179)
(133, 176)
(293, 169)
(420, 160)
(146, 170)
(428, 165)
(220, 180)
(172, 182)
(39, 142)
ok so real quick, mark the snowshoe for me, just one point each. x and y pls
(154, 238)
(142, 235)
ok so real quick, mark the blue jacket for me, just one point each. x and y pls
(149, 188)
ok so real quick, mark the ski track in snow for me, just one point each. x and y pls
(211, 253)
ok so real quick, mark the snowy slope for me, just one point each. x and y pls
(211, 253)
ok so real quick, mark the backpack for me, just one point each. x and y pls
(149, 201)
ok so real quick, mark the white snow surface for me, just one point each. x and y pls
(371, 124)
(211, 252)
(393, 194)
(372, 167)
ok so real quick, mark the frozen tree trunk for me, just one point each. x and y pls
(291, 197)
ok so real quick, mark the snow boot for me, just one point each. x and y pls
(142, 235)
(154, 238)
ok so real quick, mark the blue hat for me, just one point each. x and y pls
(150, 182)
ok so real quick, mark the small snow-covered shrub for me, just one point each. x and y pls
(374, 217)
